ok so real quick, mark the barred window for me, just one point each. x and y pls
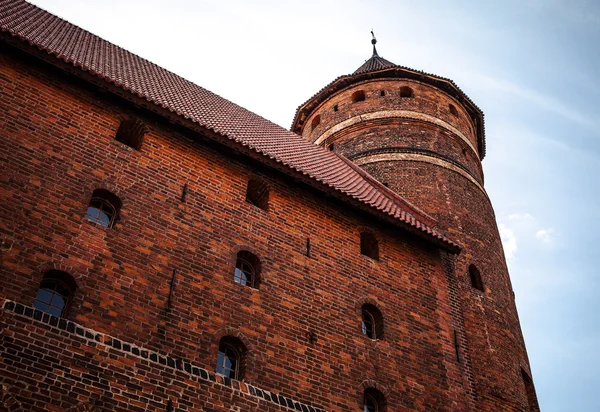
(372, 322)
(231, 358)
(55, 293)
(247, 270)
(103, 208)
(373, 401)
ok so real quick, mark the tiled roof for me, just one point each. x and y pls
(373, 64)
(146, 80)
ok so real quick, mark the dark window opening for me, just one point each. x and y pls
(453, 110)
(358, 96)
(315, 122)
(373, 401)
(475, 276)
(530, 391)
(257, 193)
(103, 208)
(456, 346)
(308, 247)
(331, 147)
(382, 93)
(247, 270)
(369, 245)
(131, 132)
(372, 322)
(335, 108)
(406, 91)
(231, 358)
(55, 293)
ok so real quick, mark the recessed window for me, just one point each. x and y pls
(331, 147)
(335, 108)
(475, 276)
(373, 401)
(369, 245)
(406, 91)
(247, 269)
(55, 293)
(372, 322)
(315, 122)
(231, 358)
(382, 93)
(453, 110)
(131, 132)
(257, 193)
(358, 96)
(103, 208)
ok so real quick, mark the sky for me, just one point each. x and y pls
(532, 66)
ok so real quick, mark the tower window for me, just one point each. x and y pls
(315, 122)
(358, 96)
(247, 270)
(231, 358)
(475, 276)
(331, 147)
(406, 91)
(382, 93)
(131, 132)
(453, 110)
(369, 245)
(373, 401)
(335, 108)
(372, 322)
(103, 208)
(55, 293)
(257, 193)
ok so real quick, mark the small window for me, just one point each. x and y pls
(406, 91)
(369, 245)
(103, 208)
(257, 193)
(315, 122)
(231, 358)
(131, 132)
(530, 391)
(372, 322)
(382, 93)
(247, 270)
(335, 108)
(358, 96)
(331, 147)
(373, 401)
(55, 293)
(453, 110)
(475, 276)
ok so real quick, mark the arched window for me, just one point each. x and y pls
(247, 270)
(231, 358)
(372, 322)
(406, 91)
(55, 293)
(358, 96)
(257, 193)
(103, 208)
(315, 122)
(369, 245)
(453, 110)
(131, 132)
(373, 401)
(475, 276)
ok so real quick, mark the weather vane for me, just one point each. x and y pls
(374, 42)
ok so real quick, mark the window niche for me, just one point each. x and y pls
(372, 322)
(55, 293)
(257, 193)
(374, 401)
(406, 92)
(131, 132)
(453, 110)
(103, 208)
(231, 358)
(315, 122)
(247, 269)
(358, 96)
(369, 245)
(475, 276)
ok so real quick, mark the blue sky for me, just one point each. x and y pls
(532, 66)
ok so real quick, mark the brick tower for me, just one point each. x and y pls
(423, 138)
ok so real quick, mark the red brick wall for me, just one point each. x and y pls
(429, 164)
(58, 146)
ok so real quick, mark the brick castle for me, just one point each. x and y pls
(162, 249)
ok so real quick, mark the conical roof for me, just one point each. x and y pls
(375, 62)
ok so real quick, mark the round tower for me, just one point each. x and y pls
(421, 136)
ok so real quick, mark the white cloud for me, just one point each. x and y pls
(520, 216)
(509, 241)
(544, 235)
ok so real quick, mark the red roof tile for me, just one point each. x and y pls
(146, 80)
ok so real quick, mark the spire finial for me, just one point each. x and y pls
(374, 42)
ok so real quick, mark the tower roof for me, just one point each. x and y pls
(375, 62)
